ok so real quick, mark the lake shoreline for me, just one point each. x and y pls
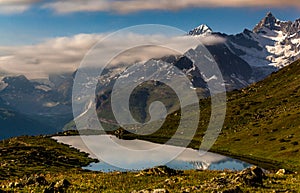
(232, 163)
(267, 164)
(66, 168)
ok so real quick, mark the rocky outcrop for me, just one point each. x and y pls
(40, 181)
(162, 190)
(227, 182)
(60, 186)
(159, 171)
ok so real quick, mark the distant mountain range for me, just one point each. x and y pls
(243, 59)
(35, 107)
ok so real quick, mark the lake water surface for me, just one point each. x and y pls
(140, 157)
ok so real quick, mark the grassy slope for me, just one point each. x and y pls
(190, 181)
(262, 122)
(30, 155)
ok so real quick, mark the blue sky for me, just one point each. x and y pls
(35, 25)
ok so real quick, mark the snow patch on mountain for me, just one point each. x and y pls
(278, 41)
(45, 88)
(201, 30)
(3, 85)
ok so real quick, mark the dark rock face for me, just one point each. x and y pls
(295, 27)
(244, 39)
(230, 63)
(185, 64)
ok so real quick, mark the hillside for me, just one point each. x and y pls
(262, 122)
(26, 155)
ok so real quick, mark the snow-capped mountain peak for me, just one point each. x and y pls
(201, 30)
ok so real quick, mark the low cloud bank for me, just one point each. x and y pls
(65, 54)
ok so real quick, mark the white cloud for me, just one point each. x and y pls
(78, 5)
(126, 6)
(65, 54)
(15, 6)
(55, 55)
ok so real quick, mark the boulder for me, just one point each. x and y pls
(251, 176)
(281, 172)
(37, 180)
(62, 185)
(162, 190)
(159, 171)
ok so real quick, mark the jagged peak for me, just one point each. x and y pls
(269, 21)
(201, 30)
(247, 31)
(270, 14)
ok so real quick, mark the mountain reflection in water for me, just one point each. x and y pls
(188, 159)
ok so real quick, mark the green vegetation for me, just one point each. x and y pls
(41, 154)
(262, 121)
(153, 179)
(262, 124)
